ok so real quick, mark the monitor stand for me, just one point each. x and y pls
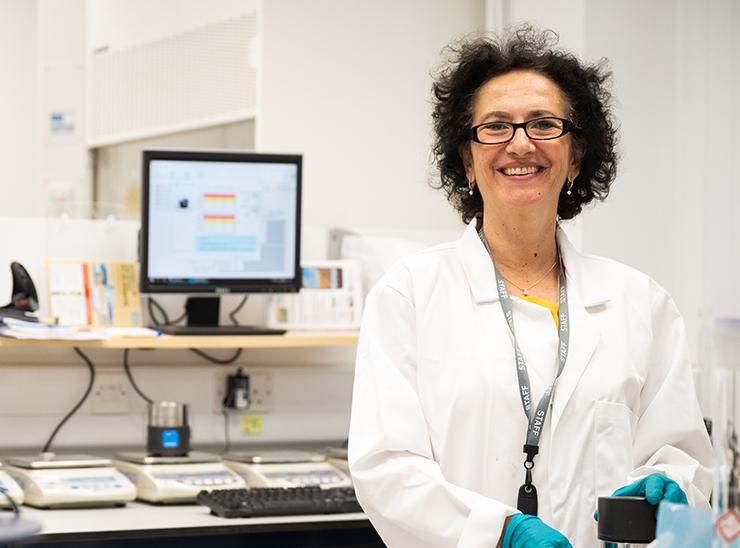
(203, 315)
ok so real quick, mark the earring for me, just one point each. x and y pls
(471, 187)
(570, 186)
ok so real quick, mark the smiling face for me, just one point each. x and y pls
(522, 173)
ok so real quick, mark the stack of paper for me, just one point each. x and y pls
(19, 329)
(94, 293)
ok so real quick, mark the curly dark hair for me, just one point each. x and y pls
(473, 62)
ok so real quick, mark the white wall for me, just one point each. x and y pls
(63, 156)
(721, 188)
(648, 217)
(347, 83)
(203, 100)
(566, 17)
(672, 210)
(19, 180)
(118, 167)
(346, 64)
(118, 24)
(311, 397)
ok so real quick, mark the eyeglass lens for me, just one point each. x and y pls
(541, 128)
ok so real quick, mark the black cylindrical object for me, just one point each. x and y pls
(626, 520)
(168, 433)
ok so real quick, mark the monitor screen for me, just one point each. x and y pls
(220, 222)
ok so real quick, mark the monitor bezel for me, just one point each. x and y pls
(217, 286)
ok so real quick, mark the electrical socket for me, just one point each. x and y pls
(260, 392)
(110, 393)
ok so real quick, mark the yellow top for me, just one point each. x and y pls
(553, 307)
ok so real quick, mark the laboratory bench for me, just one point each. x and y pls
(189, 525)
(291, 339)
(140, 524)
(186, 525)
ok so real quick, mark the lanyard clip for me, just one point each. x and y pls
(531, 451)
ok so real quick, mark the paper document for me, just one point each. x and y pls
(94, 293)
(127, 332)
(18, 329)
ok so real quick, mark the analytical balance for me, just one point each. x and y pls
(54, 481)
(176, 479)
(9, 485)
(337, 456)
(286, 469)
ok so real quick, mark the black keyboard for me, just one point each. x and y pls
(269, 501)
(217, 330)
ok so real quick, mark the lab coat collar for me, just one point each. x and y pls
(586, 295)
(478, 269)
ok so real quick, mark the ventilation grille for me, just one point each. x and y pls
(193, 79)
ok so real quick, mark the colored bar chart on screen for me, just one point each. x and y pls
(219, 208)
(219, 219)
(213, 198)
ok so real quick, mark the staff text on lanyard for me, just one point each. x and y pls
(527, 498)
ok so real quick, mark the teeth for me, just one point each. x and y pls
(521, 170)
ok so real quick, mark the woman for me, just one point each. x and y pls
(509, 346)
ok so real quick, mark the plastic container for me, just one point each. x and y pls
(626, 522)
(168, 433)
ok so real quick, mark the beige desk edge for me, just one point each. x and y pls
(292, 339)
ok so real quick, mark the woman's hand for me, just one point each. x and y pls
(654, 488)
(523, 530)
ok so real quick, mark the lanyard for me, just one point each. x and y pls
(527, 499)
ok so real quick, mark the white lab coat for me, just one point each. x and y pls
(437, 425)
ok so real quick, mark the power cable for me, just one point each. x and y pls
(227, 439)
(136, 388)
(91, 366)
(226, 403)
(151, 302)
(214, 359)
(13, 504)
(232, 314)
(238, 353)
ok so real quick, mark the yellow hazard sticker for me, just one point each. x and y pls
(253, 425)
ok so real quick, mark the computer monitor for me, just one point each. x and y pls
(219, 222)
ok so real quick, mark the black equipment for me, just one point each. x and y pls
(279, 501)
(626, 520)
(24, 299)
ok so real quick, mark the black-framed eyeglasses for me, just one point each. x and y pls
(538, 129)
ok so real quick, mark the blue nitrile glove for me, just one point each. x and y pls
(524, 530)
(654, 488)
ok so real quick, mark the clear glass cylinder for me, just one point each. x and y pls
(725, 373)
